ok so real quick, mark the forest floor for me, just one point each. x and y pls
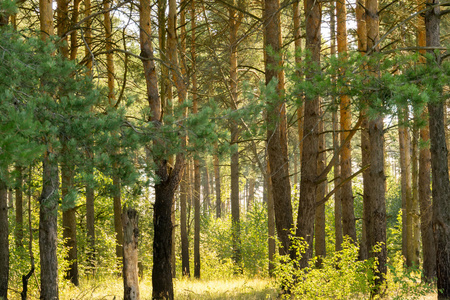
(234, 288)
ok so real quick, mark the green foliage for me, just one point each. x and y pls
(342, 275)
(217, 245)
(405, 283)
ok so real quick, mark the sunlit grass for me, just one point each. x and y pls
(236, 288)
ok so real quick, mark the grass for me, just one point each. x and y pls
(236, 288)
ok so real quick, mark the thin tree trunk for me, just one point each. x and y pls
(319, 231)
(117, 215)
(196, 219)
(348, 214)
(251, 194)
(337, 166)
(270, 221)
(19, 207)
(130, 221)
(308, 185)
(415, 241)
(4, 240)
(362, 48)
(217, 186)
(206, 192)
(185, 268)
(405, 169)
(234, 197)
(69, 221)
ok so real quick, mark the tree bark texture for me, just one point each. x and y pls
(117, 203)
(308, 185)
(405, 169)
(425, 203)
(365, 154)
(217, 186)
(234, 197)
(130, 221)
(278, 160)
(4, 240)
(270, 221)
(348, 214)
(19, 207)
(185, 268)
(197, 209)
(439, 166)
(69, 219)
(48, 213)
(319, 230)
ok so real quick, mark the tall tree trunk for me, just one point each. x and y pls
(234, 197)
(69, 221)
(337, 166)
(217, 186)
(439, 166)
(185, 268)
(130, 221)
(234, 23)
(425, 203)
(251, 193)
(319, 231)
(307, 204)
(48, 201)
(376, 221)
(206, 192)
(4, 240)
(270, 221)
(362, 48)
(169, 178)
(276, 134)
(48, 212)
(19, 207)
(348, 214)
(90, 219)
(405, 168)
(197, 213)
(426, 208)
(415, 240)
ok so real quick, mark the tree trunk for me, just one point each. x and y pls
(439, 166)
(234, 197)
(307, 205)
(185, 268)
(425, 203)
(90, 222)
(4, 240)
(362, 48)
(337, 166)
(251, 193)
(270, 221)
(426, 208)
(206, 193)
(196, 219)
(217, 186)
(319, 232)
(376, 217)
(117, 215)
(48, 212)
(276, 134)
(415, 240)
(348, 214)
(405, 169)
(130, 221)
(19, 207)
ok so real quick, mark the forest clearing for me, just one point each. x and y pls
(224, 149)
